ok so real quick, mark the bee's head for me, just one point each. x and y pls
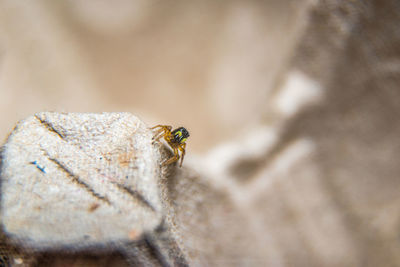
(180, 135)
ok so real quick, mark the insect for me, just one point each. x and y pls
(176, 139)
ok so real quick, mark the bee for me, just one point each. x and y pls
(176, 139)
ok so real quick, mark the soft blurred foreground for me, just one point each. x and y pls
(292, 107)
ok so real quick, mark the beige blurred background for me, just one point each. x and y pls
(310, 87)
(205, 65)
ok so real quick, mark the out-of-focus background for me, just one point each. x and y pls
(310, 87)
(207, 65)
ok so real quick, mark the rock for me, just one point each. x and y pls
(78, 180)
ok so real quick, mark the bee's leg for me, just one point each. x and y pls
(164, 127)
(182, 149)
(157, 126)
(172, 159)
(162, 132)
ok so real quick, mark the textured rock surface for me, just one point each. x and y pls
(74, 180)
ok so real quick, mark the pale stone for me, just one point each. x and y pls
(79, 180)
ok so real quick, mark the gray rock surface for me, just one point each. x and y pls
(75, 180)
(93, 182)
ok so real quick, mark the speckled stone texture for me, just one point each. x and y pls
(76, 180)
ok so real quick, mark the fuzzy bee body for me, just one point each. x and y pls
(176, 139)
